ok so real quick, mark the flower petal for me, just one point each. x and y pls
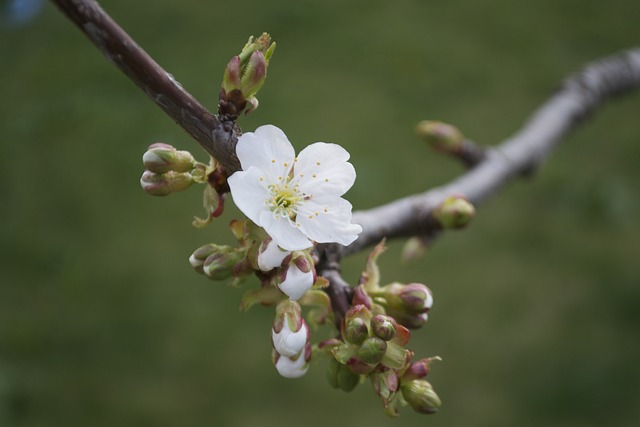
(322, 168)
(283, 232)
(328, 220)
(249, 192)
(267, 149)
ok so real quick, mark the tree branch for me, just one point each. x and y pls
(579, 96)
(216, 137)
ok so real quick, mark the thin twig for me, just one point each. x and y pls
(217, 138)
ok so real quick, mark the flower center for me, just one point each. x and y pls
(284, 199)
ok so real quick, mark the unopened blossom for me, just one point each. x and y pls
(270, 255)
(297, 200)
(289, 333)
(292, 367)
(296, 282)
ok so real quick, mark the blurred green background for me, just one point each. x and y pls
(104, 323)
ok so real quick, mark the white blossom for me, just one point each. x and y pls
(292, 368)
(296, 282)
(271, 256)
(296, 200)
(289, 343)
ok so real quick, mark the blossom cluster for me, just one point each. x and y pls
(292, 202)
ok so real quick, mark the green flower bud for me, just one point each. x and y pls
(356, 331)
(161, 158)
(222, 262)
(340, 376)
(245, 74)
(420, 396)
(372, 350)
(383, 327)
(454, 212)
(166, 183)
(441, 136)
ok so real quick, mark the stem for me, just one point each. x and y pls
(216, 137)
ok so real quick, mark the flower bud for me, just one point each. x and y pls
(421, 396)
(383, 327)
(245, 74)
(292, 367)
(385, 383)
(413, 297)
(199, 255)
(356, 331)
(360, 297)
(411, 321)
(419, 369)
(441, 136)
(359, 366)
(297, 278)
(161, 158)
(340, 376)
(166, 183)
(270, 255)
(222, 262)
(372, 350)
(290, 333)
(454, 212)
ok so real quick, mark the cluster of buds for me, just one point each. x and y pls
(168, 170)
(244, 76)
(409, 304)
(287, 279)
(374, 335)
(290, 273)
(291, 340)
(373, 347)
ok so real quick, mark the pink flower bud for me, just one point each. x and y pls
(385, 383)
(383, 326)
(419, 369)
